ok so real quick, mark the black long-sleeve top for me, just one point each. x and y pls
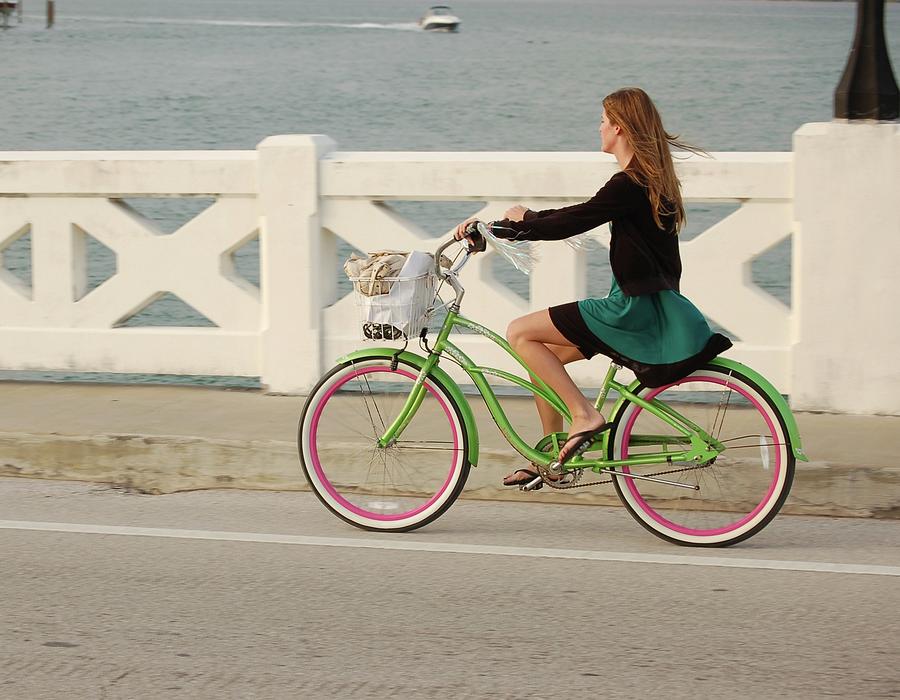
(644, 258)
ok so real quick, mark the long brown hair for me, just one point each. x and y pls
(632, 110)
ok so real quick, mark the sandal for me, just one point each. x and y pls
(528, 477)
(585, 439)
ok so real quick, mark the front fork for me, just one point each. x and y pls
(413, 401)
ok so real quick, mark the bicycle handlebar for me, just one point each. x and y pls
(479, 240)
(479, 245)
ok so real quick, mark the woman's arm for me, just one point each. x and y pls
(618, 197)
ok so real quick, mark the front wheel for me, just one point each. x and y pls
(396, 488)
(744, 487)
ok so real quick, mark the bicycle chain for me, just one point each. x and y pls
(545, 473)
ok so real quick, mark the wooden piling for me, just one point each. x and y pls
(51, 13)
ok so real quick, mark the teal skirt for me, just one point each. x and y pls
(660, 336)
(656, 328)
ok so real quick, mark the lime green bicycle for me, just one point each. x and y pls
(387, 438)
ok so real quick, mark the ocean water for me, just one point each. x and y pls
(521, 75)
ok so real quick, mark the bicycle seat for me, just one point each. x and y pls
(661, 375)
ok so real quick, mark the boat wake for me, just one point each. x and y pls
(396, 26)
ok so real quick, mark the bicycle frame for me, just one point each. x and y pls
(697, 445)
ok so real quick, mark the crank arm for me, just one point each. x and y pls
(613, 472)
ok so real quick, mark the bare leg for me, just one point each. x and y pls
(551, 421)
(534, 337)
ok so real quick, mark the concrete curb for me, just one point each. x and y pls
(159, 464)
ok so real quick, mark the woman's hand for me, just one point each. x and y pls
(516, 213)
(460, 231)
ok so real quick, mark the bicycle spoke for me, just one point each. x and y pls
(756, 446)
(404, 446)
(374, 405)
(721, 412)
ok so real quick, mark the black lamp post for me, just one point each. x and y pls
(868, 89)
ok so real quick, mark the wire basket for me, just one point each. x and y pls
(399, 311)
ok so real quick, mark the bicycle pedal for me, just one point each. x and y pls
(534, 485)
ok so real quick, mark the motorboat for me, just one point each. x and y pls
(439, 18)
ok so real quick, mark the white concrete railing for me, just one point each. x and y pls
(299, 195)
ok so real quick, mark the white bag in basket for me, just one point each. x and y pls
(395, 307)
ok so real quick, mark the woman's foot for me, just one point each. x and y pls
(520, 477)
(581, 432)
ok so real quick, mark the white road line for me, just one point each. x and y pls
(452, 548)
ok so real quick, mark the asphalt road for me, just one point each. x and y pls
(236, 594)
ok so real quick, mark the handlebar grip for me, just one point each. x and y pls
(479, 243)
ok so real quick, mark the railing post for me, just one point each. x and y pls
(845, 259)
(290, 261)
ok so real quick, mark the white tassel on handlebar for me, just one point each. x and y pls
(521, 254)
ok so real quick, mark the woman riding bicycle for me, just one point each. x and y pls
(644, 323)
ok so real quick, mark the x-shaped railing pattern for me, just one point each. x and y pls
(194, 263)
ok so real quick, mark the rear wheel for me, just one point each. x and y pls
(739, 493)
(396, 488)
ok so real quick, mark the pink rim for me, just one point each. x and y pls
(317, 467)
(665, 522)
